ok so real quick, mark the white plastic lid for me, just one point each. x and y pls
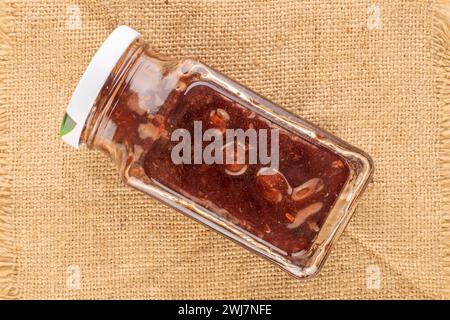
(92, 81)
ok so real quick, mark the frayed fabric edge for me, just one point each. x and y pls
(8, 252)
(441, 51)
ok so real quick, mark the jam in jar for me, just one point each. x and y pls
(218, 152)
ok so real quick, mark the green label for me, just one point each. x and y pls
(67, 125)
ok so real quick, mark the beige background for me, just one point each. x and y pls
(364, 70)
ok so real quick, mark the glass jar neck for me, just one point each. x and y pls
(105, 102)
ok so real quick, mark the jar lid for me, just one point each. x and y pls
(92, 81)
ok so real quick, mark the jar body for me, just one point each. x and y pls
(167, 124)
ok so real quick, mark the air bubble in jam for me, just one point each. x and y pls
(307, 189)
(285, 208)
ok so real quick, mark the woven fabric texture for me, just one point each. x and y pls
(363, 70)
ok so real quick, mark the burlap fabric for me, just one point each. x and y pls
(368, 71)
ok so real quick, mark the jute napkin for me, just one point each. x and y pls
(376, 73)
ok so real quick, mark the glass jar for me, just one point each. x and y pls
(217, 152)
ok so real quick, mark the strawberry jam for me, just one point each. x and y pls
(284, 207)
